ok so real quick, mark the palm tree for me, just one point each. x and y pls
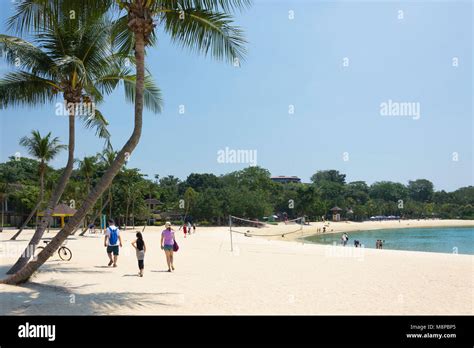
(87, 169)
(75, 59)
(44, 150)
(107, 157)
(202, 25)
(4, 191)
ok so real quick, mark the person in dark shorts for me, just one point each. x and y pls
(91, 228)
(112, 241)
(140, 248)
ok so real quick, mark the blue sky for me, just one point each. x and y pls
(336, 122)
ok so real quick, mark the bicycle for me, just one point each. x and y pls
(64, 252)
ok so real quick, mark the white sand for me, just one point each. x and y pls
(261, 276)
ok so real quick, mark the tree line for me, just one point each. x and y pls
(208, 199)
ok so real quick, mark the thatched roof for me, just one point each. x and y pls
(62, 209)
(152, 201)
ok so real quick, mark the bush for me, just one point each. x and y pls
(205, 223)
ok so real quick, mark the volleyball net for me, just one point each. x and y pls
(257, 228)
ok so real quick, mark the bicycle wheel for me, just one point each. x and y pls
(64, 253)
(37, 251)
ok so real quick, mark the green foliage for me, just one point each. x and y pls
(388, 191)
(420, 190)
(249, 193)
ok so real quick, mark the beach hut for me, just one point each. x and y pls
(336, 213)
(61, 211)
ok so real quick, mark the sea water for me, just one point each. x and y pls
(441, 240)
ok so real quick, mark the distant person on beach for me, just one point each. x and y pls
(189, 228)
(356, 243)
(344, 239)
(112, 241)
(194, 228)
(167, 244)
(185, 229)
(91, 228)
(140, 248)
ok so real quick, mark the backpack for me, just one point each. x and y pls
(113, 236)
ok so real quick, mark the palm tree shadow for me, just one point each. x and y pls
(44, 299)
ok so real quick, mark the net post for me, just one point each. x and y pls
(230, 231)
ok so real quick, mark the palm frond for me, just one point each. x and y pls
(151, 93)
(205, 31)
(24, 55)
(212, 5)
(32, 14)
(22, 88)
(40, 14)
(95, 119)
(42, 148)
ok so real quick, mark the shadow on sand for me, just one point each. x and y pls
(43, 299)
(34, 298)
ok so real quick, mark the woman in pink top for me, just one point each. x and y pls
(167, 243)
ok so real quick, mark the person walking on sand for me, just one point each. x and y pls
(140, 248)
(184, 229)
(194, 227)
(167, 244)
(112, 241)
(189, 227)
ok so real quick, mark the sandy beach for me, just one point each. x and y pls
(261, 276)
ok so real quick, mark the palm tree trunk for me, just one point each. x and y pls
(37, 205)
(3, 213)
(23, 226)
(95, 217)
(111, 201)
(31, 267)
(53, 201)
(127, 220)
(133, 213)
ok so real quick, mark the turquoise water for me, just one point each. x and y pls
(439, 240)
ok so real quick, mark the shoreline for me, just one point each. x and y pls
(351, 226)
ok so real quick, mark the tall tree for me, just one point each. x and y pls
(72, 57)
(87, 169)
(421, 190)
(201, 25)
(329, 175)
(43, 149)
